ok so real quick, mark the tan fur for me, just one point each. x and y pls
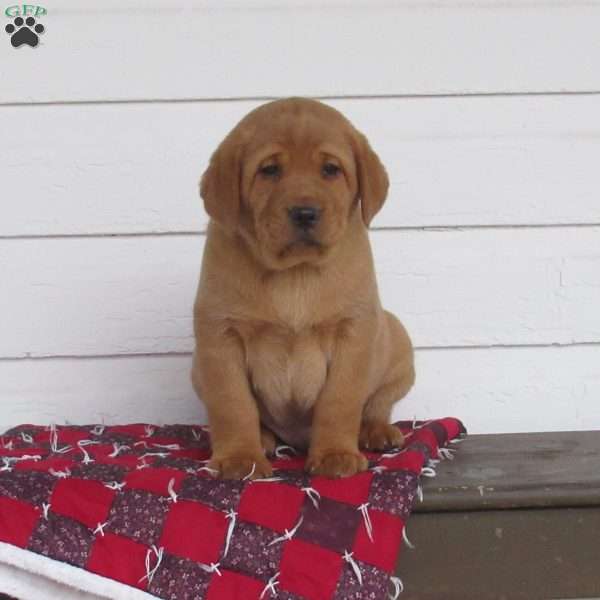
(291, 336)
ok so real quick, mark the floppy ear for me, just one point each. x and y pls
(373, 182)
(220, 183)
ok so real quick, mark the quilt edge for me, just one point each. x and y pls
(40, 570)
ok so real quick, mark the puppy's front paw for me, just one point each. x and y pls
(241, 466)
(377, 435)
(336, 463)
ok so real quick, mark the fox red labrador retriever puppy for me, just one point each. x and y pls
(291, 339)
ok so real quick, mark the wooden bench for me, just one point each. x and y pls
(512, 516)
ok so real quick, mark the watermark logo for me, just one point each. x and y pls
(25, 29)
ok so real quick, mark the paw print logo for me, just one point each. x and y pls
(24, 32)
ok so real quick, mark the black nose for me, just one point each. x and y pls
(304, 217)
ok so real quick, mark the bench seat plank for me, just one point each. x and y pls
(518, 470)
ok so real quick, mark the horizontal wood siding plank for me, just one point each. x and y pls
(98, 390)
(134, 168)
(133, 50)
(508, 390)
(104, 296)
(492, 390)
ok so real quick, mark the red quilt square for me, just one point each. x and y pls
(234, 586)
(452, 427)
(408, 460)
(17, 520)
(119, 558)
(309, 571)
(289, 464)
(273, 505)
(155, 480)
(353, 490)
(193, 453)
(195, 531)
(99, 451)
(66, 437)
(425, 436)
(85, 500)
(383, 551)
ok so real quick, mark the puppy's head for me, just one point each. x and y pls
(288, 178)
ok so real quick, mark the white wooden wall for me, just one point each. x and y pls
(487, 115)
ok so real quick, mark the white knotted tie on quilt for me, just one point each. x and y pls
(271, 585)
(151, 572)
(398, 588)
(288, 535)
(231, 515)
(348, 558)
(364, 509)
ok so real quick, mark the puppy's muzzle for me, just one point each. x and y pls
(304, 217)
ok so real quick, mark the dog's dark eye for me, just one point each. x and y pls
(270, 171)
(330, 170)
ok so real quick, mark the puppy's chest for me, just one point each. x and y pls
(294, 299)
(287, 371)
